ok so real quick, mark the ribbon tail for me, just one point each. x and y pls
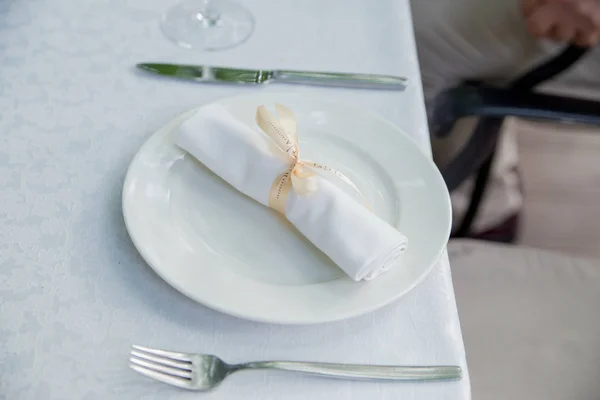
(287, 119)
(277, 132)
(280, 191)
(340, 176)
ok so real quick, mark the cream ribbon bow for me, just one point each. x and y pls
(300, 175)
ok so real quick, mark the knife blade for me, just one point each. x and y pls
(206, 74)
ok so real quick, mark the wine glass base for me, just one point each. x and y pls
(212, 25)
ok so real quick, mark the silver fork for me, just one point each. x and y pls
(202, 372)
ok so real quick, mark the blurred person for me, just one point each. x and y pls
(496, 41)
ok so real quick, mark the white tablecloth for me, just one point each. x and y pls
(75, 293)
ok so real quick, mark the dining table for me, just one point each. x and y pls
(74, 292)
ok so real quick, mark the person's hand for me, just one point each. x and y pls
(575, 21)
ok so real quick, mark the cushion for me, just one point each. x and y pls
(530, 320)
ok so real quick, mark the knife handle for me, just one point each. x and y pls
(364, 81)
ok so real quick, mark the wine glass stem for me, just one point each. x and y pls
(210, 15)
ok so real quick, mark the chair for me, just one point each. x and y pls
(492, 105)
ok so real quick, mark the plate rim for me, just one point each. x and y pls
(339, 316)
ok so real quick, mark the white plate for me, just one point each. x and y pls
(232, 254)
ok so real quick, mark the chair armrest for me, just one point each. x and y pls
(485, 101)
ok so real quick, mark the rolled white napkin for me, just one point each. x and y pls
(360, 243)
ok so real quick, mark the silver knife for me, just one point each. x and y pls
(203, 73)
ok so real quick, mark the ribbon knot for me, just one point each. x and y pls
(300, 174)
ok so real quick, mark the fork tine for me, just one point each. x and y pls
(161, 368)
(161, 360)
(159, 376)
(164, 353)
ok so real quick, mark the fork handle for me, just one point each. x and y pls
(365, 372)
